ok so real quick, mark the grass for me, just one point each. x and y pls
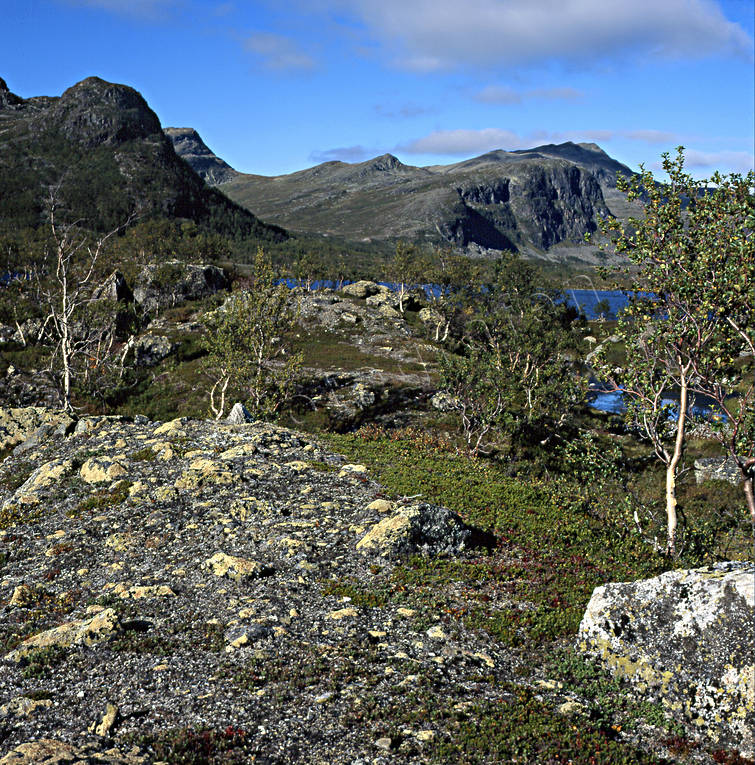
(529, 593)
(102, 500)
(549, 556)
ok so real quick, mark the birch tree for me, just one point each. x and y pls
(685, 333)
(66, 284)
(245, 341)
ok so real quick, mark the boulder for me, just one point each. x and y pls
(361, 289)
(150, 350)
(173, 282)
(423, 529)
(687, 639)
(718, 468)
(239, 415)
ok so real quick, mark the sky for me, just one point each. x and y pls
(275, 87)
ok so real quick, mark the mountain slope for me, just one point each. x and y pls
(528, 201)
(102, 148)
(192, 149)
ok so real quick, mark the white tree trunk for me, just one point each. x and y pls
(671, 470)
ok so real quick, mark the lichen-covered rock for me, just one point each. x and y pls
(361, 289)
(686, 638)
(45, 476)
(150, 350)
(173, 282)
(717, 468)
(422, 528)
(236, 568)
(18, 424)
(48, 751)
(94, 628)
(101, 469)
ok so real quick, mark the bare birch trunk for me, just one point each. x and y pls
(671, 469)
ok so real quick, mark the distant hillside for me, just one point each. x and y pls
(529, 200)
(104, 148)
(191, 148)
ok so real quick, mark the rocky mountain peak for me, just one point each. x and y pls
(95, 112)
(6, 97)
(189, 145)
(386, 162)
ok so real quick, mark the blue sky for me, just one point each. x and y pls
(276, 87)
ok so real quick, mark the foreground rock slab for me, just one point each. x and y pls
(686, 638)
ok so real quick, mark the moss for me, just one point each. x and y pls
(146, 454)
(196, 746)
(16, 515)
(102, 500)
(16, 476)
(39, 663)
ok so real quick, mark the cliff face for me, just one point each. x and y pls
(526, 201)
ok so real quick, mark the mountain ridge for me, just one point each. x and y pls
(528, 200)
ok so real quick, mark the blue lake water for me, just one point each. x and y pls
(613, 401)
(583, 299)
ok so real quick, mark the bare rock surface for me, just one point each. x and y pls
(687, 639)
(170, 576)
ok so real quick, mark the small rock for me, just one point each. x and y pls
(436, 633)
(343, 613)
(239, 415)
(109, 719)
(22, 596)
(380, 506)
(235, 568)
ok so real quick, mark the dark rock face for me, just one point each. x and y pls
(114, 288)
(94, 112)
(191, 148)
(687, 639)
(8, 99)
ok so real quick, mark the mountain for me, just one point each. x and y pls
(528, 200)
(191, 148)
(103, 149)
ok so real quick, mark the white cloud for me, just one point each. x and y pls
(653, 136)
(427, 35)
(469, 142)
(735, 161)
(407, 111)
(463, 142)
(343, 154)
(278, 52)
(502, 94)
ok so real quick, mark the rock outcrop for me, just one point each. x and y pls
(718, 469)
(171, 283)
(164, 576)
(686, 638)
